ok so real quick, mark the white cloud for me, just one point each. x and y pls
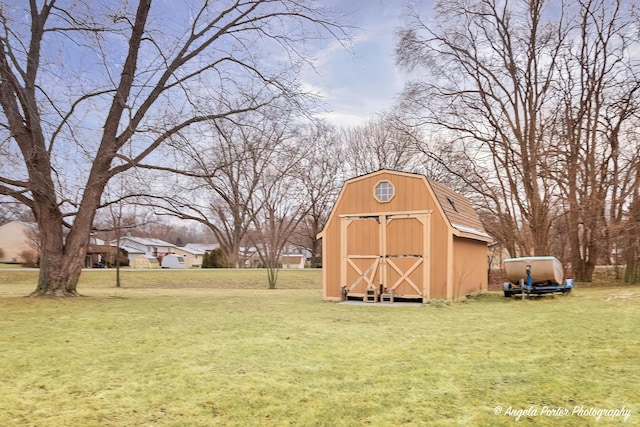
(343, 119)
(363, 80)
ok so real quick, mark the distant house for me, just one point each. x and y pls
(101, 254)
(293, 256)
(249, 257)
(150, 248)
(193, 253)
(18, 242)
(192, 256)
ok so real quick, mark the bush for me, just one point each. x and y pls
(214, 259)
(315, 262)
(29, 257)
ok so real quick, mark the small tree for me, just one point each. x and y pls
(29, 257)
(279, 207)
(230, 166)
(320, 179)
(384, 142)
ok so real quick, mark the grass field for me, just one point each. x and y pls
(202, 348)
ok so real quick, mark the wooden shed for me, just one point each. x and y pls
(395, 235)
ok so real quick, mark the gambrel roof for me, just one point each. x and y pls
(454, 207)
(458, 210)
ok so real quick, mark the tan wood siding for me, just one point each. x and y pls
(470, 266)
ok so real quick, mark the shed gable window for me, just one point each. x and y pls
(384, 191)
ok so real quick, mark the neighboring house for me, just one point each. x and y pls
(135, 256)
(248, 257)
(149, 248)
(293, 256)
(192, 256)
(97, 253)
(102, 254)
(194, 253)
(18, 242)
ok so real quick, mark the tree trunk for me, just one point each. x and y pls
(632, 243)
(58, 279)
(583, 269)
(59, 269)
(632, 270)
(272, 275)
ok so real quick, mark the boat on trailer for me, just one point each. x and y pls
(536, 275)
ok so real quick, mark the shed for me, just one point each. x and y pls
(292, 261)
(396, 235)
(142, 261)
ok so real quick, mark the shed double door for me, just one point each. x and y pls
(388, 251)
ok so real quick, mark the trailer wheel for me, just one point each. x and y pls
(507, 294)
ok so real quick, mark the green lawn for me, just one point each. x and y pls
(201, 348)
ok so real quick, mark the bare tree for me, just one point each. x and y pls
(11, 210)
(279, 207)
(489, 68)
(469, 171)
(321, 176)
(4, 215)
(599, 86)
(537, 105)
(384, 142)
(231, 165)
(631, 236)
(147, 75)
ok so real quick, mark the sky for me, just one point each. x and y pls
(360, 82)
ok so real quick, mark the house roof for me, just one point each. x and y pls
(102, 249)
(30, 225)
(131, 249)
(201, 246)
(190, 250)
(148, 241)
